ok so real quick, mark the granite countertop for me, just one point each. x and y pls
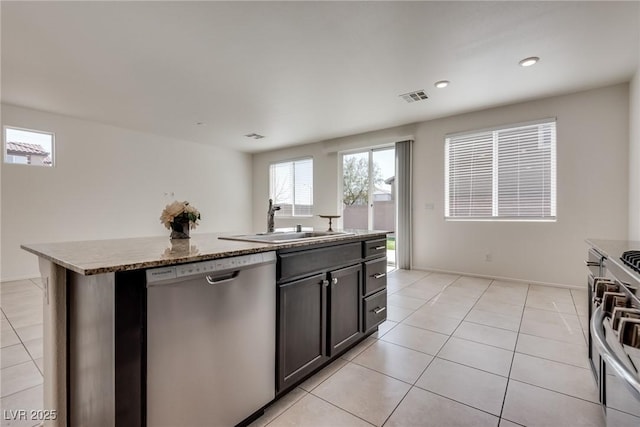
(105, 256)
(613, 248)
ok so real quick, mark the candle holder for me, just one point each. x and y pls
(330, 217)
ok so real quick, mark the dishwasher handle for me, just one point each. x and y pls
(222, 279)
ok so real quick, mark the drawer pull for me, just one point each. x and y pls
(379, 248)
(325, 283)
(379, 310)
(592, 263)
(334, 281)
(379, 275)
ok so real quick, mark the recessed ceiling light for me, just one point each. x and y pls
(441, 84)
(201, 124)
(528, 62)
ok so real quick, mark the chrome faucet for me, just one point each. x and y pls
(270, 213)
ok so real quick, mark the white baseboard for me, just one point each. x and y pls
(501, 278)
(14, 279)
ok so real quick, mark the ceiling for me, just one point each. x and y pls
(301, 72)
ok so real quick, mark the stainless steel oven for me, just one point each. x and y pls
(595, 281)
(614, 341)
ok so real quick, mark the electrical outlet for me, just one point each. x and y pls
(429, 206)
(488, 257)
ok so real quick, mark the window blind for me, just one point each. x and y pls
(502, 173)
(291, 187)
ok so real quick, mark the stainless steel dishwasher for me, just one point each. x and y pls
(210, 341)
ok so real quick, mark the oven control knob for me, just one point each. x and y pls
(610, 300)
(629, 332)
(620, 313)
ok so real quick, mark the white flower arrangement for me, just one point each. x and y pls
(180, 212)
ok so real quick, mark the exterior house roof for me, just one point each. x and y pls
(25, 148)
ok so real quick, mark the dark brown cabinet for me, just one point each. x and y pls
(375, 273)
(301, 333)
(344, 308)
(374, 287)
(374, 248)
(326, 304)
(375, 310)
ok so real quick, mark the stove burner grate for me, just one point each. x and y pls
(632, 259)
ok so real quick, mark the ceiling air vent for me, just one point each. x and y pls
(418, 95)
(254, 136)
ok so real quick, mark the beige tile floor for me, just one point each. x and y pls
(21, 353)
(456, 351)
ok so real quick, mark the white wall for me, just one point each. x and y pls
(592, 171)
(634, 157)
(110, 182)
(593, 136)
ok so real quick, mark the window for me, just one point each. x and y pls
(506, 173)
(291, 187)
(28, 147)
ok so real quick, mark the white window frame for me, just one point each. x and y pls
(279, 213)
(6, 156)
(495, 215)
(370, 151)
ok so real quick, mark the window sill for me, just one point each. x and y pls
(550, 219)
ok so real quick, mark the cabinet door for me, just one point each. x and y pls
(301, 328)
(344, 307)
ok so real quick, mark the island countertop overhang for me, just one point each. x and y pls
(105, 256)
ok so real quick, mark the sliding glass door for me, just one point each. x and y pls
(368, 192)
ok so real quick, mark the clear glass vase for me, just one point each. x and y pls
(180, 229)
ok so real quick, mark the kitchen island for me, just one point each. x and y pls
(95, 312)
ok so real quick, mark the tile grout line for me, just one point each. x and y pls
(336, 406)
(26, 349)
(584, 334)
(438, 352)
(473, 367)
(551, 360)
(556, 391)
(287, 408)
(423, 371)
(381, 373)
(20, 391)
(365, 367)
(506, 389)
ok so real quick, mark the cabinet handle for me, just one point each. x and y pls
(592, 263)
(379, 310)
(334, 281)
(325, 283)
(379, 275)
(379, 248)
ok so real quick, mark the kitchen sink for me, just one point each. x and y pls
(285, 236)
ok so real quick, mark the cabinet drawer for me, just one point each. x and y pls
(375, 275)
(300, 263)
(375, 310)
(374, 248)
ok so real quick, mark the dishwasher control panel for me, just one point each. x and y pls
(207, 267)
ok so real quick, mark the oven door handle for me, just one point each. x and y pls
(612, 360)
